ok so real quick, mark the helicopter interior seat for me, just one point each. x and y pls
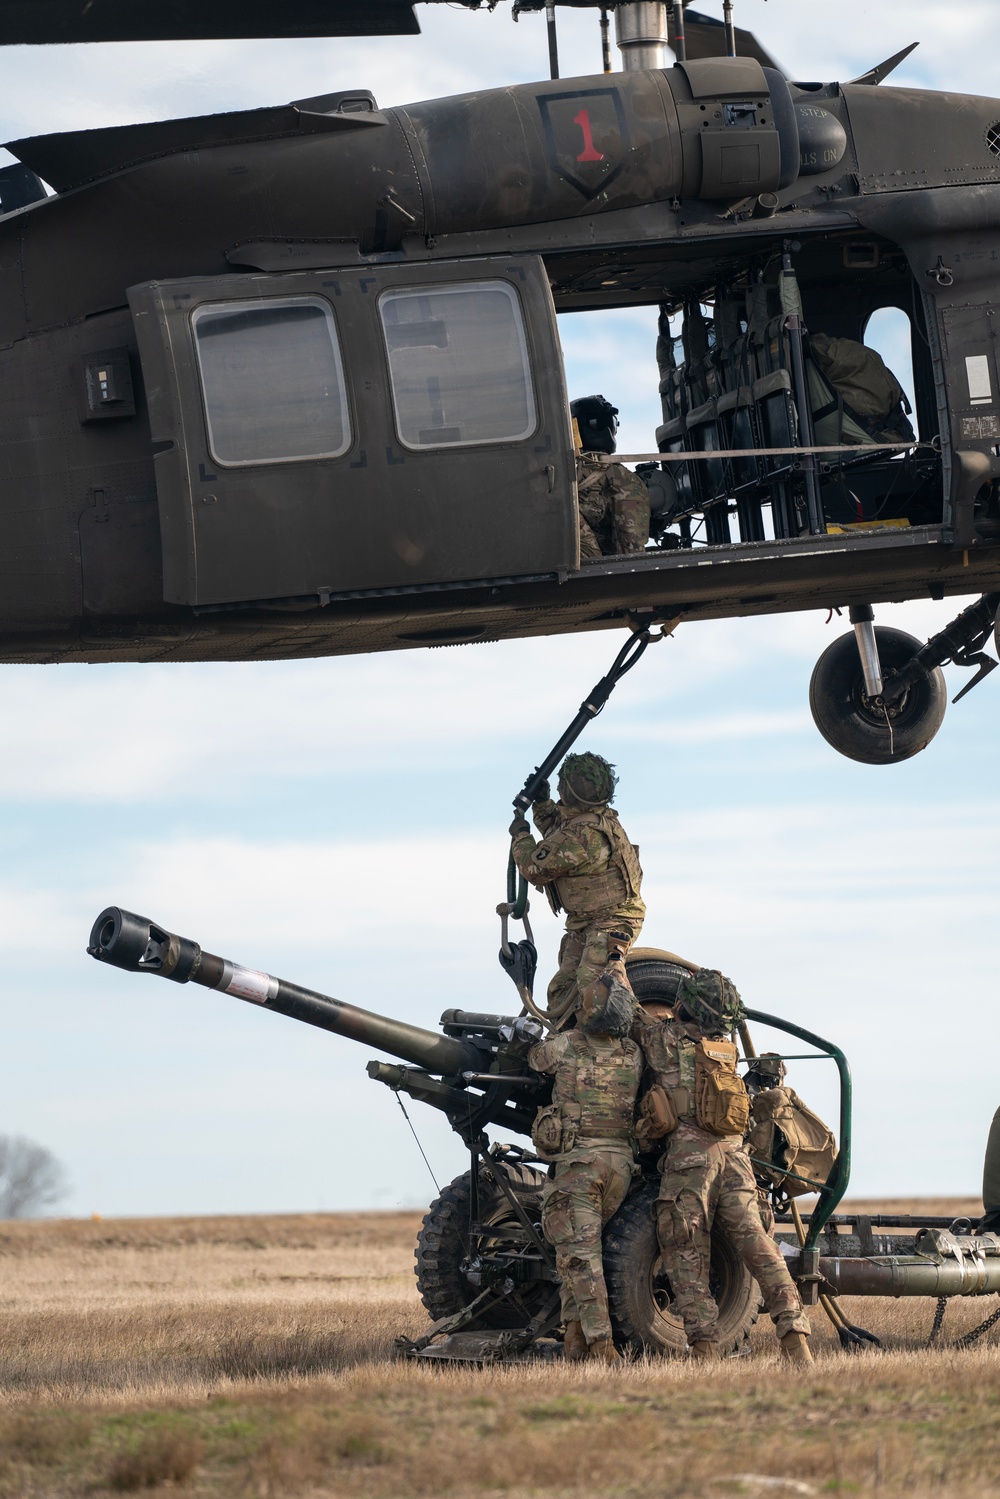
(737, 430)
(671, 437)
(711, 484)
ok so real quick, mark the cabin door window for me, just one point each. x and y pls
(272, 381)
(458, 364)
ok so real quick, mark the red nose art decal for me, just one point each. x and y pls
(586, 137)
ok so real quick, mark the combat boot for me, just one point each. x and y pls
(604, 1351)
(705, 1350)
(795, 1346)
(574, 1343)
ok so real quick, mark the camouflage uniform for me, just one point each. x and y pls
(601, 1075)
(614, 509)
(588, 868)
(707, 1177)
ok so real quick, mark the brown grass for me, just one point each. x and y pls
(252, 1357)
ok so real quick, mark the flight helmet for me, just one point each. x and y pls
(597, 420)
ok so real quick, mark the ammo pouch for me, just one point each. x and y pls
(555, 1129)
(722, 1104)
(657, 1117)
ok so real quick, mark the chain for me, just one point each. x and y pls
(967, 1340)
(977, 1332)
(939, 1311)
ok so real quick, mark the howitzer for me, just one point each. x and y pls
(484, 1271)
(476, 1072)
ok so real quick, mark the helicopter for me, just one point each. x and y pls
(287, 382)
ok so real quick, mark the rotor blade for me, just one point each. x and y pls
(875, 75)
(706, 37)
(74, 157)
(37, 21)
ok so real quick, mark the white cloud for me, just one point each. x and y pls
(867, 912)
(101, 735)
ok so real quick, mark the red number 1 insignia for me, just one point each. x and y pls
(590, 151)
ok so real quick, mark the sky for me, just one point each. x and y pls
(342, 823)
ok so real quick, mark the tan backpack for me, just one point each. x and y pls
(790, 1137)
(721, 1101)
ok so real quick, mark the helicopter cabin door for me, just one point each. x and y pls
(377, 428)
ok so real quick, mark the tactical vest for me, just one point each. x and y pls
(601, 1078)
(702, 1088)
(620, 881)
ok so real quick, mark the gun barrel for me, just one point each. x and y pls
(138, 945)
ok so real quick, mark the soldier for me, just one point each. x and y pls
(588, 1131)
(706, 1172)
(613, 501)
(588, 868)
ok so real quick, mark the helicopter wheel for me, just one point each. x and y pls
(866, 729)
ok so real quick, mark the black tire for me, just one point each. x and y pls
(655, 979)
(859, 728)
(639, 1295)
(444, 1244)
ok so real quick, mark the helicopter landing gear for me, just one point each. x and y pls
(862, 617)
(852, 700)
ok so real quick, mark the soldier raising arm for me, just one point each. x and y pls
(706, 1172)
(588, 1132)
(588, 868)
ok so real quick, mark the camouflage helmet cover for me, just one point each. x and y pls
(589, 779)
(608, 1007)
(712, 1001)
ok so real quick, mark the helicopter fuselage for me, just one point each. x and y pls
(288, 382)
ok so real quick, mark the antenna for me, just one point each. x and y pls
(550, 27)
(727, 16)
(605, 41)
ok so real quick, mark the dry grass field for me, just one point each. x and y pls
(253, 1356)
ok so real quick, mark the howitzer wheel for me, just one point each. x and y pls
(445, 1243)
(639, 1296)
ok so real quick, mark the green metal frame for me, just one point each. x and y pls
(833, 1189)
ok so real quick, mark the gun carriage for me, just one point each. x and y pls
(484, 1271)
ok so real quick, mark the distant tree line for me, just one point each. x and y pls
(31, 1179)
